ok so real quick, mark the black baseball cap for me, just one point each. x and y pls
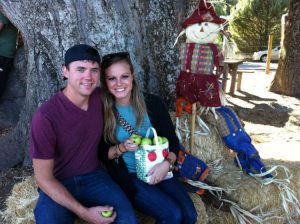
(81, 52)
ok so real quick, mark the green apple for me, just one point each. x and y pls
(164, 140)
(146, 141)
(160, 141)
(136, 139)
(107, 213)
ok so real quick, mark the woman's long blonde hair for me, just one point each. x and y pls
(137, 100)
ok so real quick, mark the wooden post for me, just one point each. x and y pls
(239, 80)
(225, 77)
(233, 71)
(193, 124)
(269, 54)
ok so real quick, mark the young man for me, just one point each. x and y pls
(64, 141)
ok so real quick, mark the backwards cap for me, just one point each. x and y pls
(81, 52)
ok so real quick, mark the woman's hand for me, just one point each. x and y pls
(117, 150)
(128, 145)
(158, 172)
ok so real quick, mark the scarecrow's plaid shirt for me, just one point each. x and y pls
(202, 58)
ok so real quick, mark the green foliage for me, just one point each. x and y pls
(223, 7)
(220, 7)
(252, 22)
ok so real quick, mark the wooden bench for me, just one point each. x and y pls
(230, 67)
(240, 76)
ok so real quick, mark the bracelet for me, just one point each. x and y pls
(118, 148)
(171, 163)
(116, 155)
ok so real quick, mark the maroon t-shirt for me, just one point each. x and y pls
(69, 135)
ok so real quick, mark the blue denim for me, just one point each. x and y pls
(93, 189)
(166, 202)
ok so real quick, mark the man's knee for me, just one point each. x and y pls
(48, 211)
(173, 216)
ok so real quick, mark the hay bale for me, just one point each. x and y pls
(209, 147)
(250, 193)
(200, 208)
(21, 202)
(216, 216)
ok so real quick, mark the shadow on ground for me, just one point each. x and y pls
(250, 97)
(268, 112)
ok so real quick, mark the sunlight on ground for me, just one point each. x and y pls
(288, 151)
(272, 142)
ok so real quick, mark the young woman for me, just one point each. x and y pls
(164, 200)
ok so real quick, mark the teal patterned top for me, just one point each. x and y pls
(127, 112)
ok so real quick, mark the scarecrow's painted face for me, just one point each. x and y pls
(202, 33)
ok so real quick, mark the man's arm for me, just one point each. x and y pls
(52, 187)
(43, 170)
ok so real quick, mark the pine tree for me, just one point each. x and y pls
(254, 20)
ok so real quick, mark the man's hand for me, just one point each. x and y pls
(93, 215)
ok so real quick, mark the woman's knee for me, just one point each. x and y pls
(172, 217)
(190, 216)
(176, 217)
(126, 215)
(125, 211)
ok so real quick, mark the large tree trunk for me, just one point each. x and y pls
(147, 29)
(287, 78)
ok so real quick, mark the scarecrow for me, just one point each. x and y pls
(201, 66)
(198, 83)
(198, 80)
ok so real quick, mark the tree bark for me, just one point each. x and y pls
(287, 78)
(146, 29)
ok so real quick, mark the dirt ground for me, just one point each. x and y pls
(272, 120)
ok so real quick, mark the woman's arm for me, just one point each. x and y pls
(110, 152)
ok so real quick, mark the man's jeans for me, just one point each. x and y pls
(93, 189)
(167, 202)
